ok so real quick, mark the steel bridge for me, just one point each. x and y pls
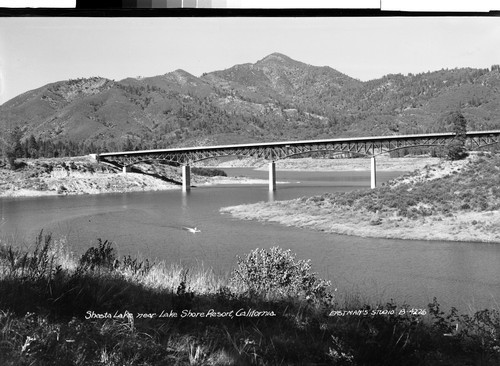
(272, 151)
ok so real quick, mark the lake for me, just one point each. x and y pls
(149, 225)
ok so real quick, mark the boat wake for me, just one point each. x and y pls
(193, 230)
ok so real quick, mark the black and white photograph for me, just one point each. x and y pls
(250, 190)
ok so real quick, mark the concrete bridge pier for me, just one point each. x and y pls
(126, 169)
(272, 176)
(373, 173)
(186, 178)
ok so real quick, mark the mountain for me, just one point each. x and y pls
(276, 98)
(279, 78)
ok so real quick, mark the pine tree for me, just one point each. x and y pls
(458, 124)
(13, 148)
(128, 145)
(33, 148)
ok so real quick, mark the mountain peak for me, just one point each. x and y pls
(180, 72)
(276, 56)
(181, 76)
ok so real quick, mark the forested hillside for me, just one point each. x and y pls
(276, 98)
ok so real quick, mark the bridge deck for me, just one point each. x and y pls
(272, 151)
(301, 142)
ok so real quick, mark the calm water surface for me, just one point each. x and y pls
(150, 225)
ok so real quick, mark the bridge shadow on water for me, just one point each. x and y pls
(156, 175)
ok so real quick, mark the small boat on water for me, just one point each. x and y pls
(193, 230)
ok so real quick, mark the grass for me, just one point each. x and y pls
(57, 309)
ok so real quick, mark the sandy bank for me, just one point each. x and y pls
(470, 226)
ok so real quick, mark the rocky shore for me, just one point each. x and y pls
(82, 175)
(68, 176)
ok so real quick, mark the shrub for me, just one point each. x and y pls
(206, 172)
(277, 274)
(456, 150)
(102, 256)
(134, 266)
(39, 264)
(465, 206)
(477, 334)
(375, 220)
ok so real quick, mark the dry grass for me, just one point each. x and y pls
(200, 279)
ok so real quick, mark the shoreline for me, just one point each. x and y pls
(82, 176)
(118, 183)
(85, 184)
(461, 227)
(384, 163)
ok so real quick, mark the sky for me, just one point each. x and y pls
(38, 51)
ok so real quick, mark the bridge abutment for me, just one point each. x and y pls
(373, 173)
(186, 178)
(272, 176)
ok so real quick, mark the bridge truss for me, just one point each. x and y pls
(272, 151)
(342, 148)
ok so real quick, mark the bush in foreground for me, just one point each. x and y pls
(276, 273)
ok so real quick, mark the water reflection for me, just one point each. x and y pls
(185, 196)
(271, 196)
